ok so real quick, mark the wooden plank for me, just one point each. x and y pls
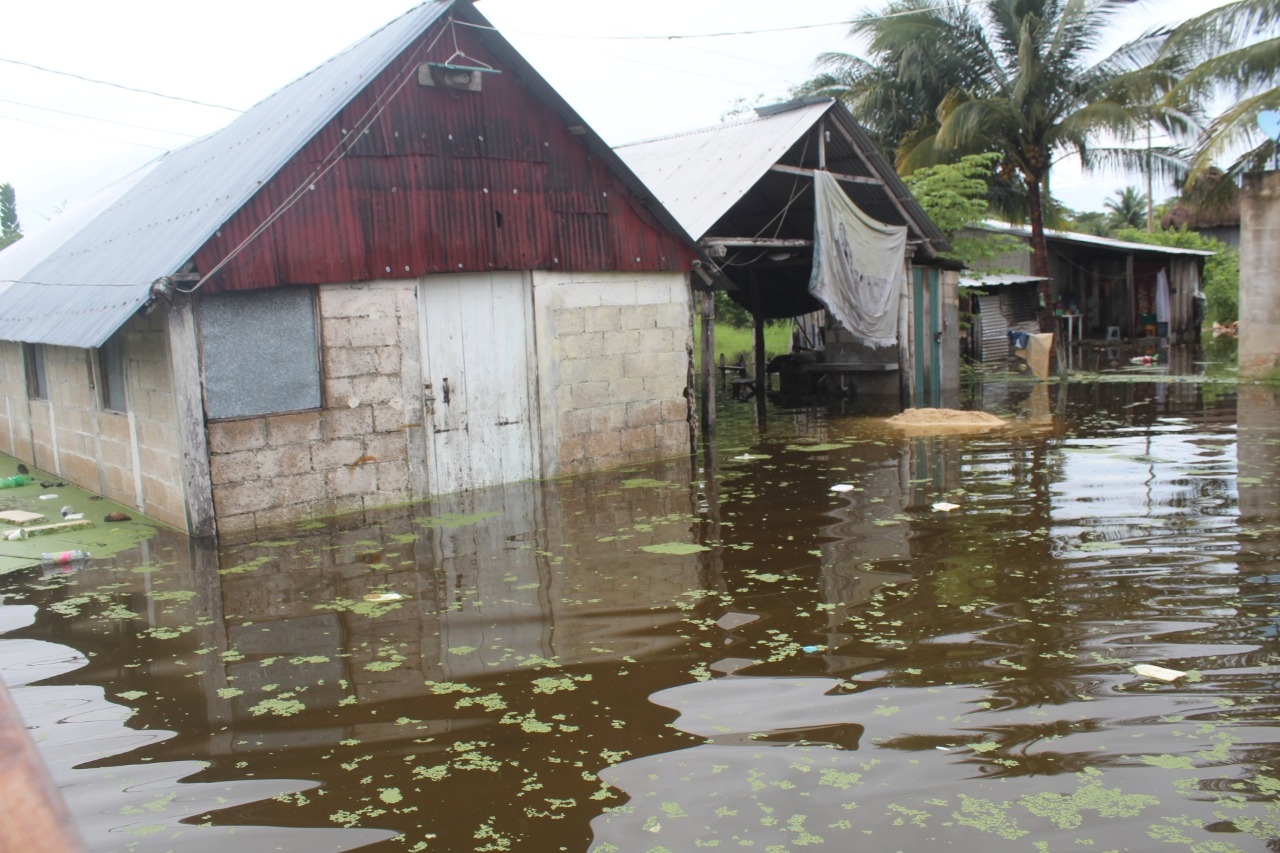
(33, 817)
(184, 362)
(808, 173)
(19, 517)
(59, 527)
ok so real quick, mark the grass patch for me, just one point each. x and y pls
(732, 341)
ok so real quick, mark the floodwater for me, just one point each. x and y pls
(675, 657)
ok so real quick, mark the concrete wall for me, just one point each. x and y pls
(355, 452)
(614, 360)
(1259, 352)
(131, 457)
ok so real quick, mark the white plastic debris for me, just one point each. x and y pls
(383, 596)
(1158, 672)
(731, 620)
(944, 506)
(842, 487)
(48, 497)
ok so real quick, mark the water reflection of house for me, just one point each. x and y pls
(412, 271)
(1104, 288)
(488, 583)
(746, 190)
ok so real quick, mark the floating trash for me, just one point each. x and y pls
(842, 487)
(383, 596)
(732, 620)
(944, 506)
(1148, 671)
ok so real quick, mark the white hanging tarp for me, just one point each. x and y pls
(1162, 297)
(858, 265)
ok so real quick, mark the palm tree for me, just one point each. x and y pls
(1236, 53)
(1017, 77)
(1128, 209)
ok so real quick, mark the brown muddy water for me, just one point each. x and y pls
(736, 656)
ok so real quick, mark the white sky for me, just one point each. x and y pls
(236, 52)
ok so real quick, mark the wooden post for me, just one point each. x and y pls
(1132, 324)
(33, 817)
(707, 298)
(761, 370)
(184, 361)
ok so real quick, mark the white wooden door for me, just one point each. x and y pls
(477, 362)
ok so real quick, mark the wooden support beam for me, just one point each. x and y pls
(808, 173)
(757, 242)
(707, 298)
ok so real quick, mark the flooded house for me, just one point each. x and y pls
(411, 272)
(1099, 288)
(775, 199)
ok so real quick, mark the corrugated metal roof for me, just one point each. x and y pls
(701, 174)
(1091, 240)
(81, 278)
(999, 280)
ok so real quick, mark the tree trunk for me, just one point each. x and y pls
(1039, 252)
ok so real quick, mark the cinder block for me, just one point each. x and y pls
(228, 436)
(637, 441)
(293, 429)
(336, 454)
(604, 319)
(235, 499)
(345, 482)
(345, 422)
(349, 361)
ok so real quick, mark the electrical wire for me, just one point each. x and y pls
(95, 118)
(82, 133)
(119, 85)
(407, 72)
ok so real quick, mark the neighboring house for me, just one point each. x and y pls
(1259, 356)
(746, 191)
(1104, 288)
(1219, 220)
(413, 271)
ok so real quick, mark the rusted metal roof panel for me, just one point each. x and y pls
(448, 181)
(83, 277)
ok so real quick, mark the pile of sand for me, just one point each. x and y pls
(944, 420)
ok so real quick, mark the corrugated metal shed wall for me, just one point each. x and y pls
(445, 181)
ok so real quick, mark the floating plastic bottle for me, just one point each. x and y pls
(56, 557)
(14, 481)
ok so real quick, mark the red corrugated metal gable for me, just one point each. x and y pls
(443, 181)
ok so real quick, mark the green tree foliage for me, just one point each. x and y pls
(1221, 272)
(955, 196)
(1017, 77)
(1235, 53)
(10, 229)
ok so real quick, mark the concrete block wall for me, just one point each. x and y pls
(614, 362)
(352, 454)
(15, 417)
(131, 457)
(1259, 353)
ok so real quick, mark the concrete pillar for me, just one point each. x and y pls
(1260, 275)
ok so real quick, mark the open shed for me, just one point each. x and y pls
(413, 271)
(746, 191)
(1105, 288)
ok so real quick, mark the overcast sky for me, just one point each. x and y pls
(63, 138)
